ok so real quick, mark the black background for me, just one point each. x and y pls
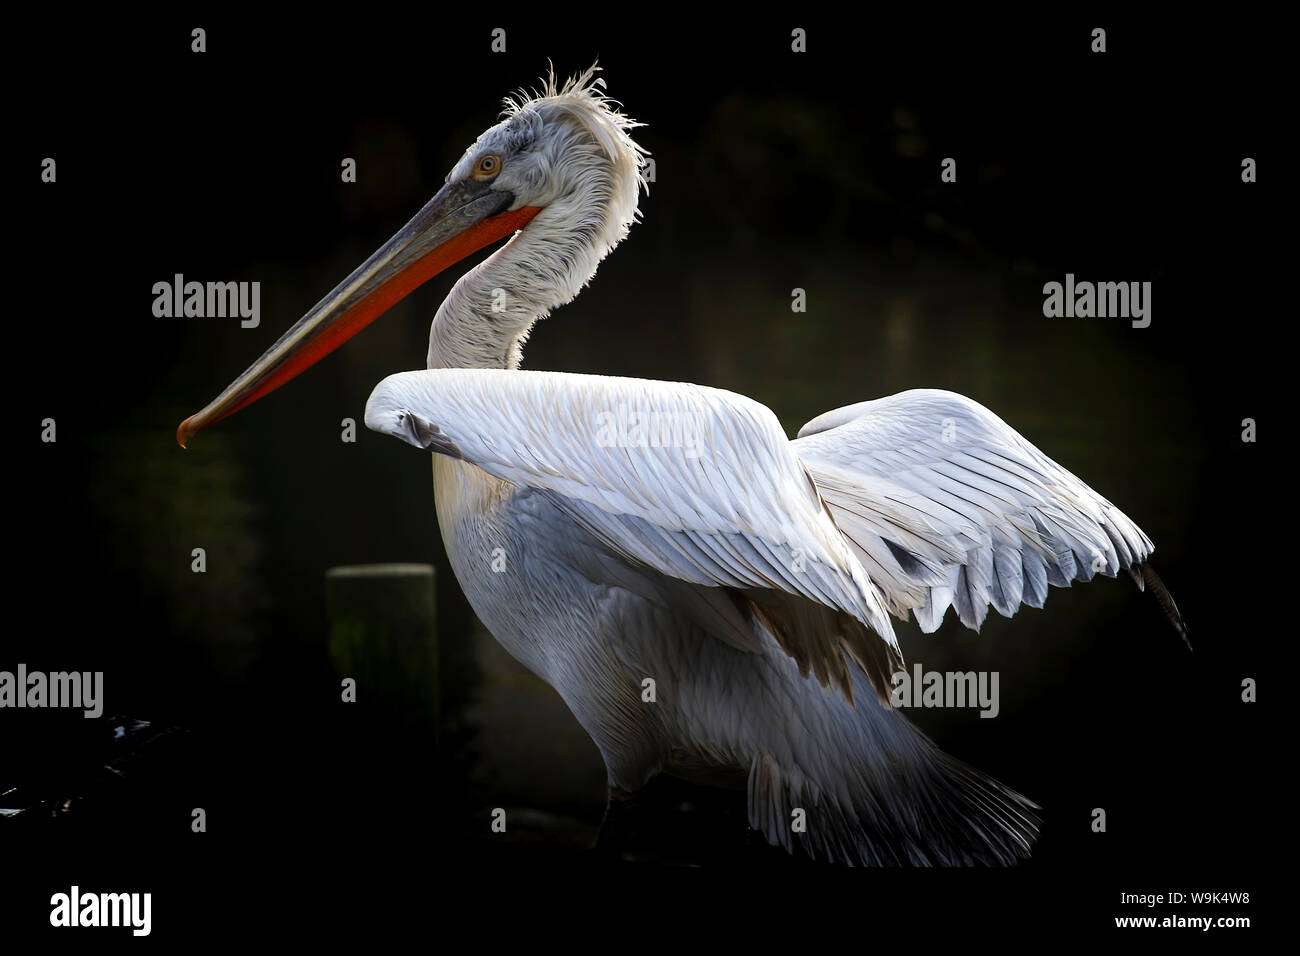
(770, 166)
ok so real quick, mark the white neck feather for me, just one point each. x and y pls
(593, 173)
(485, 320)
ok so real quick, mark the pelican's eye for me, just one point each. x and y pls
(487, 166)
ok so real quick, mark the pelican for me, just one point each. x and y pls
(618, 534)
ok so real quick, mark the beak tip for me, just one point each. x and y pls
(185, 432)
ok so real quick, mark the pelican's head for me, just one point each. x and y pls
(561, 161)
(564, 150)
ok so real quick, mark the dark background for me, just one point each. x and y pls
(773, 170)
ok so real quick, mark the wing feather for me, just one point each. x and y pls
(986, 518)
(695, 483)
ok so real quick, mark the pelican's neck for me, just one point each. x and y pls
(485, 320)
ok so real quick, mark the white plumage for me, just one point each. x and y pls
(947, 505)
(744, 572)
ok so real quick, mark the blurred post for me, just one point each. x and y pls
(383, 633)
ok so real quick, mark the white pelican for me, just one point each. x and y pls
(671, 532)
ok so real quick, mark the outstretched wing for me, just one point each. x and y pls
(696, 483)
(945, 504)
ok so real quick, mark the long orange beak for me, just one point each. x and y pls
(461, 219)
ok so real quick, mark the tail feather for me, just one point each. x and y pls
(921, 807)
(1143, 575)
(1165, 599)
(874, 790)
